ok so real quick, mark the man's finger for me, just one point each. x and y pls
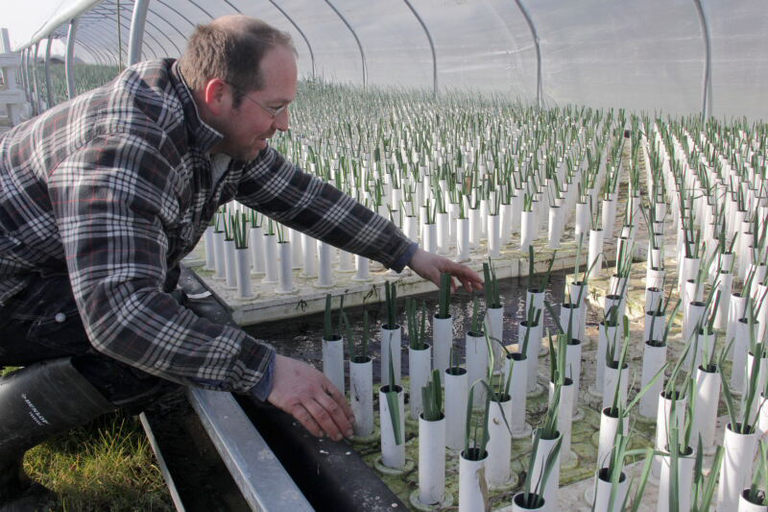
(341, 400)
(305, 418)
(338, 414)
(323, 418)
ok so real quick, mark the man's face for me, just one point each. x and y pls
(247, 127)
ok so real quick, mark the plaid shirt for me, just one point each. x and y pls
(115, 187)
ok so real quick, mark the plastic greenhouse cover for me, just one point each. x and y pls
(647, 55)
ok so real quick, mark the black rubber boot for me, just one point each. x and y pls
(36, 403)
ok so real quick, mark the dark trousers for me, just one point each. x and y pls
(41, 323)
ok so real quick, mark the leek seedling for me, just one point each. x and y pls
(492, 297)
(241, 231)
(755, 495)
(704, 487)
(391, 391)
(390, 292)
(476, 432)
(533, 494)
(416, 329)
(444, 300)
(432, 398)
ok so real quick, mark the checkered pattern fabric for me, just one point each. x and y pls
(115, 187)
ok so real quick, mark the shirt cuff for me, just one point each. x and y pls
(262, 390)
(405, 258)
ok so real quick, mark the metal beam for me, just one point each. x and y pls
(357, 39)
(69, 60)
(137, 31)
(48, 87)
(301, 32)
(535, 35)
(431, 47)
(35, 87)
(706, 86)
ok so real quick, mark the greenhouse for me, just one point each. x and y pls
(601, 165)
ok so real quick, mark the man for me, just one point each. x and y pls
(101, 197)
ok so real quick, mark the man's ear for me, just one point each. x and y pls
(217, 96)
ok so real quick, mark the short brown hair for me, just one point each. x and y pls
(232, 55)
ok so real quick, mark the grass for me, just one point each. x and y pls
(105, 465)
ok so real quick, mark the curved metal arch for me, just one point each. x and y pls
(105, 57)
(203, 10)
(174, 27)
(92, 36)
(69, 60)
(301, 32)
(180, 15)
(149, 35)
(431, 47)
(109, 36)
(35, 86)
(706, 86)
(535, 35)
(156, 28)
(25, 73)
(48, 86)
(357, 39)
(136, 38)
(96, 54)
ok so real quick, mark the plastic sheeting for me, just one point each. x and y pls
(646, 55)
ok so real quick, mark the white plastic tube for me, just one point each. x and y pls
(419, 368)
(431, 461)
(494, 236)
(663, 424)
(473, 486)
(243, 273)
(456, 391)
(285, 274)
(527, 226)
(518, 364)
(595, 251)
(705, 415)
(392, 454)
(270, 259)
(361, 395)
(442, 338)
(256, 244)
(230, 264)
(462, 240)
(220, 259)
(499, 444)
(333, 361)
(609, 427)
(324, 272)
(609, 386)
(654, 358)
(684, 483)
(210, 251)
(552, 490)
(390, 345)
(603, 493)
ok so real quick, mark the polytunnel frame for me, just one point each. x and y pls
(137, 30)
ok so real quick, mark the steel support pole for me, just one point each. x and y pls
(35, 87)
(535, 36)
(137, 31)
(706, 86)
(357, 39)
(301, 32)
(48, 87)
(69, 60)
(431, 47)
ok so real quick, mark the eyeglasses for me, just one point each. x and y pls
(272, 111)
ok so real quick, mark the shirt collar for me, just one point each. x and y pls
(201, 133)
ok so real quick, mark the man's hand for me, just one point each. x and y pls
(430, 266)
(307, 395)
